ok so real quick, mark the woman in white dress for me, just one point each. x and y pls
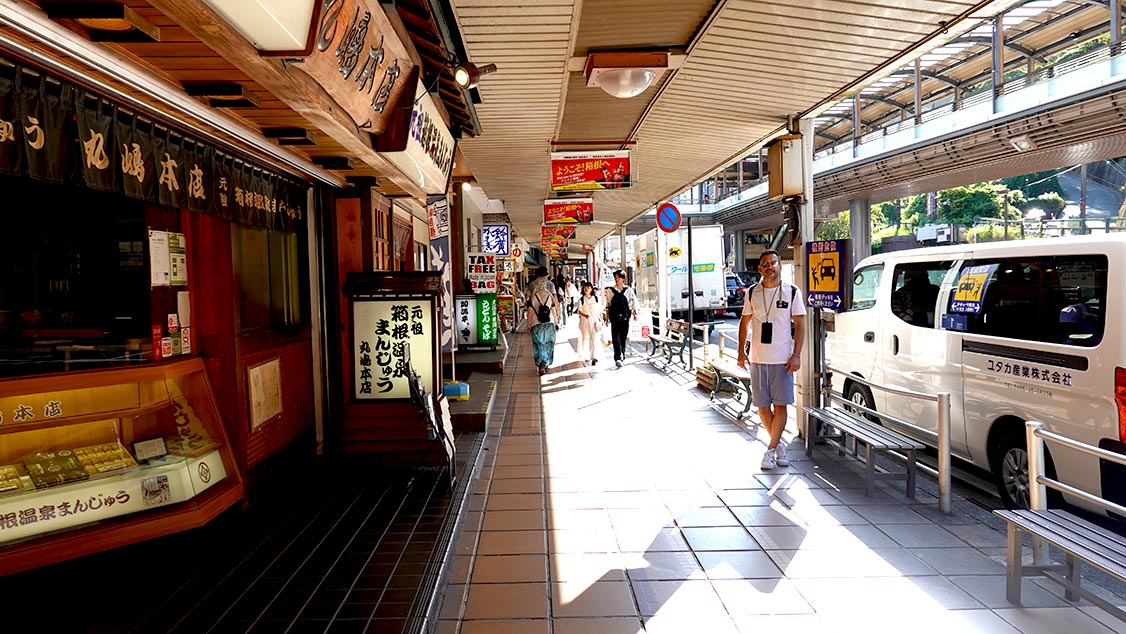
(590, 315)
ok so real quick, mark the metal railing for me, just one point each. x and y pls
(1039, 482)
(1037, 474)
(1044, 228)
(940, 438)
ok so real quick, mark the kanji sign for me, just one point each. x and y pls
(496, 239)
(568, 211)
(587, 171)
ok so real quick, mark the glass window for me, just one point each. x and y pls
(1052, 299)
(269, 278)
(915, 291)
(865, 282)
(74, 279)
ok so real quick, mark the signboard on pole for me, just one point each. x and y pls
(568, 211)
(830, 274)
(668, 217)
(589, 171)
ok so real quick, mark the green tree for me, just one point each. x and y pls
(961, 205)
(1035, 183)
(835, 229)
(889, 213)
(1051, 204)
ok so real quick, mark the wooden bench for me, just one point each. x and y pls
(862, 431)
(1080, 540)
(729, 373)
(674, 340)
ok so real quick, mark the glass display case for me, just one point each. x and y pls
(129, 454)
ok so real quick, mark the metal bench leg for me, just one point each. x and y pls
(747, 405)
(1013, 565)
(811, 436)
(1072, 576)
(870, 469)
(911, 474)
(715, 386)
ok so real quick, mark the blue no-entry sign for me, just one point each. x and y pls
(668, 217)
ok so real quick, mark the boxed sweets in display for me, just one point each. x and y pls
(9, 478)
(109, 456)
(52, 468)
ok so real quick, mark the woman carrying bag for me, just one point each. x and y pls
(590, 313)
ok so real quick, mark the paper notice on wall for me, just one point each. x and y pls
(178, 259)
(184, 308)
(160, 265)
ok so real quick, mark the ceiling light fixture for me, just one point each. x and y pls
(1022, 143)
(624, 74)
(467, 74)
(272, 26)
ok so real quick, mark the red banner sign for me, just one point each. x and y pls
(560, 231)
(587, 171)
(557, 211)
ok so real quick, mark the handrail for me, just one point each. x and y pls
(942, 435)
(1038, 492)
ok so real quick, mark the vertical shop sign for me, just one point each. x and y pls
(487, 319)
(425, 151)
(440, 261)
(496, 238)
(382, 326)
(438, 210)
(481, 269)
(46, 111)
(465, 314)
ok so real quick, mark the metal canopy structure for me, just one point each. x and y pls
(745, 66)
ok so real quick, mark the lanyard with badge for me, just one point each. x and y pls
(766, 328)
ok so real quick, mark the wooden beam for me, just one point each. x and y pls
(294, 88)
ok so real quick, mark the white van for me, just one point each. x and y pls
(1014, 331)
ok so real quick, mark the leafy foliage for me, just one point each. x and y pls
(835, 229)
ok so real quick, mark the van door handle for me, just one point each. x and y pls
(869, 337)
(895, 344)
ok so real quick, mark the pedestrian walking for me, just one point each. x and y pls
(622, 305)
(590, 319)
(543, 309)
(777, 313)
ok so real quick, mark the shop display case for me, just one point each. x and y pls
(92, 461)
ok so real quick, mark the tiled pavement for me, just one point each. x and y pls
(618, 501)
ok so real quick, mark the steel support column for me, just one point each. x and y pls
(859, 230)
(806, 385)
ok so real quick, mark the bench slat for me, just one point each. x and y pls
(867, 432)
(730, 369)
(1094, 544)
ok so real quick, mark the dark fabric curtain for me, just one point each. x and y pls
(11, 133)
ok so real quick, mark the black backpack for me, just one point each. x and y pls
(543, 313)
(619, 305)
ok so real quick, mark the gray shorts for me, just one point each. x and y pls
(771, 384)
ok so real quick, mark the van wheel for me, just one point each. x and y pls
(1010, 471)
(861, 395)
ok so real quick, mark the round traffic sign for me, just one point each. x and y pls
(668, 217)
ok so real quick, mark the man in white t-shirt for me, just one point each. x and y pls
(772, 305)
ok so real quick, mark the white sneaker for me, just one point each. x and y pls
(618, 363)
(780, 456)
(768, 460)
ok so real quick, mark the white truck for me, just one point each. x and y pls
(656, 249)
